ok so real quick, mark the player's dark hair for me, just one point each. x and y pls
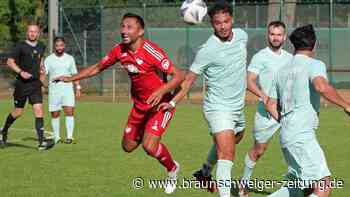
(276, 24)
(138, 18)
(220, 6)
(303, 38)
(58, 38)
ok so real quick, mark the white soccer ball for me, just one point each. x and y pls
(193, 11)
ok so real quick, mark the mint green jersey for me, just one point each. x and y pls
(298, 99)
(265, 65)
(223, 65)
(56, 66)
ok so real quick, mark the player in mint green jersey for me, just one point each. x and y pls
(261, 70)
(221, 60)
(61, 94)
(298, 87)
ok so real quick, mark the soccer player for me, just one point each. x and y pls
(261, 70)
(61, 94)
(147, 66)
(298, 87)
(26, 59)
(222, 62)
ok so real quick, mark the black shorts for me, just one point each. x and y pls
(30, 90)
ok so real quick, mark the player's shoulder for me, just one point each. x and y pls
(49, 57)
(153, 50)
(240, 34)
(286, 53)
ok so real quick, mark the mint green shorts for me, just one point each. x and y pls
(306, 161)
(264, 128)
(222, 120)
(60, 99)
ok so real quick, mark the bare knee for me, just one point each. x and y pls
(129, 146)
(17, 112)
(257, 151)
(149, 149)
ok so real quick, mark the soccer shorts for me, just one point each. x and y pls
(30, 91)
(154, 122)
(224, 120)
(59, 99)
(306, 161)
(264, 127)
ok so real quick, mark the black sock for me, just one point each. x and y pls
(9, 121)
(39, 126)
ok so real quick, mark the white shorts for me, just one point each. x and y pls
(264, 128)
(222, 120)
(57, 100)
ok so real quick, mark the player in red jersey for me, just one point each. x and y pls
(143, 60)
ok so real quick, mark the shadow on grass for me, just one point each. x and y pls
(11, 144)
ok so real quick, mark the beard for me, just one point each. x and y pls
(59, 52)
(276, 47)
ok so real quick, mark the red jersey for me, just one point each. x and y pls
(143, 68)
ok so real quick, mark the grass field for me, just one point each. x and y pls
(97, 167)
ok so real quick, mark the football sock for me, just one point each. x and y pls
(211, 161)
(39, 126)
(70, 126)
(164, 157)
(249, 165)
(55, 123)
(9, 121)
(223, 177)
(288, 192)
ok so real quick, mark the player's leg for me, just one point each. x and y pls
(69, 113)
(19, 102)
(36, 100)
(264, 129)
(225, 144)
(156, 125)
(55, 107)
(55, 124)
(133, 132)
(68, 102)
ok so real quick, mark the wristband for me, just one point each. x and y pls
(78, 87)
(172, 103)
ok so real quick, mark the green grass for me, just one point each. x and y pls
(96, 166)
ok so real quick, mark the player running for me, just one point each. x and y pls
(297, 87)
(261, 70)
(61, 94)
(142, 59)
(222, 62)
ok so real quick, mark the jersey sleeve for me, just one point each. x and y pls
(201, 62)
(160, 58)
(318, 69)
(111, 58)
(73, 67)
(256, 65)
(15, 52)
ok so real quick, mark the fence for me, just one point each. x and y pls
(91, 31)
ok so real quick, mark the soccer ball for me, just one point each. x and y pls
(193, 11)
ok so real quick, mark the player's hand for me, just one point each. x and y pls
(155, 98)
(165, 107)
(61, 78)
(77, 94)
(264, 99)
(25, 75)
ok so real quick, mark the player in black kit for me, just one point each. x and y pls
(26, 59)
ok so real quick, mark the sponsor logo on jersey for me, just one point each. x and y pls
(165, 64)
(139, 61)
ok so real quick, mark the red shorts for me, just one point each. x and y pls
(154, 122)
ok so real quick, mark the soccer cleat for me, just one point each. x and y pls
(57, 140)
(46, 145)
(172, 179)
(3, 138)
(70, 141)
(206, 182)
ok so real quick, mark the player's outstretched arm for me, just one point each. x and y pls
(330, 93)
(186, 85)
(253, 87)
(178, 76)
(84, 73)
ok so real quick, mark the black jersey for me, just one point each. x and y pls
(28, 57)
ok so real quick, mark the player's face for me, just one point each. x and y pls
(222, 24)
(130, 31)
(276, 37)
(59, 47)
(32, 33)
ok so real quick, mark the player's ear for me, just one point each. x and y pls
(141, 32)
